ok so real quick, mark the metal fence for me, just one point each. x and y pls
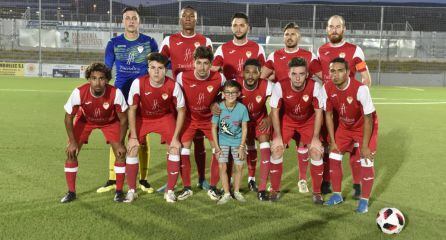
(394, 39)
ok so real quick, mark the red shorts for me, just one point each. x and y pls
(254, 132)
(346, 138)
(82, 131)
(192, 127)
(305, 131)
(164, 126)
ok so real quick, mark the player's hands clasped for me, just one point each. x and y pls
(215, 109)
(265, 124)
(175, 147)
(132, 148)
(366, 153)
(72, 150)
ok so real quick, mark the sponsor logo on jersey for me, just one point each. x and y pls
(187, 55)
(232, 51)
(140, 49)
(155, 104)
(89, 102)
(106, 105)
(334, 95)
(193, 85)
(210, 88)
(258, 98)
(147, 93)
(250, 106)
(342, 55)
(349, 100)
(97, 113)
(200, 99)
(326, 53)
(248, 54)
(130, 58)
(179, 43)
(297, 109)
(342, 112)
(305, 97)
(196, 44)
(165, 96)
(283, 57)
(289, 96)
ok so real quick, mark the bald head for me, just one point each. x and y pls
(335, 29)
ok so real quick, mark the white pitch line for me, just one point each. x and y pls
(411, 88)
(32, 90)
(408, 103)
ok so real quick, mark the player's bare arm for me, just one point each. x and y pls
(215, 137)
(266, 73)
(242, 149)
(366, 78)
(330, 128)
(133, 143)
(215, 109)
(315, 141)
(175, 144)
(72, 148)
(367, 133)
(123, 122)
(277, 147)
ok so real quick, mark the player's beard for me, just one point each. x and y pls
(241, 37)
(336, 38)
(98, 93)
(290, 44)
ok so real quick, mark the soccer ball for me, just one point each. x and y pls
(390, 220)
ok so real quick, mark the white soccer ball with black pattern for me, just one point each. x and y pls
(390, 220)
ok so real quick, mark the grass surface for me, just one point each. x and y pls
(409, 167)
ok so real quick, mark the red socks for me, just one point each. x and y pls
(316, 171)
(251, 160)
(173, 168)
(355, 165)
(185, 166)
(70, 175)
(200, 157)
(276, 168)
(215, 174)
(265, 155)
(302, 162)
(131, 170)
(336, 171)
(120, 175)
(367, 177)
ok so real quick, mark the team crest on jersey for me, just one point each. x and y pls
(342, 55)
(258, 98)
(196, 44)
(305, 97)
(106, 105)
(210, 88)
(140, 49)
(248, 54)
(164, 96)
(349, 100)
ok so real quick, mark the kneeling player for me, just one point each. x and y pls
(151, 99)
(102, 106)
(298, 99)
(358, 123)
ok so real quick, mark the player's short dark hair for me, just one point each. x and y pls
(188, 7)
(240, 15)
(291, 25)
(126, 9)
(157, 57)
(232, 83)
(297, 62)
(98, 67)
(252, 62)
(340, 60)
(203, 52)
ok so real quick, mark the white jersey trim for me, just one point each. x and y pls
(317, 93)
(359, 53)
(120, 100)
(166, 42)
(269, 88)
(209, 43)
(180, 78)
(223, 79)
(178, 93)
(219, 52)
(365, 98)
(134, 90)
(73, 100)
(276, 95)
(261, 52)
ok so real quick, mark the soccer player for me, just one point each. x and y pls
(358, 123)
(298, 99)
(353, 54)
(201, 88)
(128, 53)
(255, 92)
(231, 56)
(277, 63)
(100, 106)
(179, 47)
(232, 127)
(150, 101)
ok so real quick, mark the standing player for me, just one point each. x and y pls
(255, 92)
(353, 54)
(128, 53)
(277, 62)
(100, 106)
(302, 114)
(180, 47)
(151, 99)
(358, 123)
(201, 88)
(231, 56)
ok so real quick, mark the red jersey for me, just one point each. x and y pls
(97, 110)
(155, 102)
(350, 52)
(255, 100)
(298, 105)
(278, 61)
(200, 94)
(350, 103)
(180, 49)
(231, 57)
